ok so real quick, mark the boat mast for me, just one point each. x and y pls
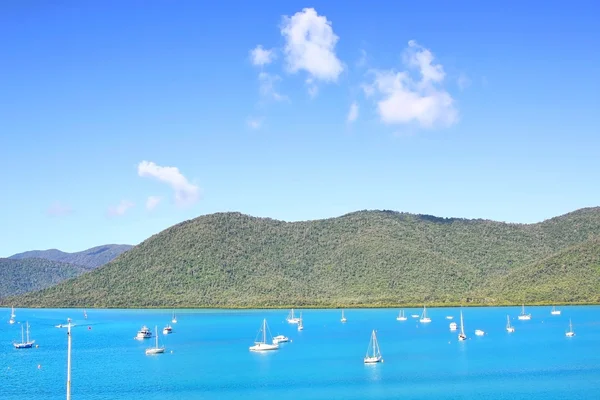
(265, 330)
(462, 328)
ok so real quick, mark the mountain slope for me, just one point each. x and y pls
(363, 258)
(21, 276)
(90, 258)
(570, 275)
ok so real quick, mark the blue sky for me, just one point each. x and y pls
(121, 118)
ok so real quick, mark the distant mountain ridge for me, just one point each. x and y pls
(89, 259)
(365, 258)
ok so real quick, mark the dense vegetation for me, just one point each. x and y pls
(367, 258)
(21, 276)
(90, 258)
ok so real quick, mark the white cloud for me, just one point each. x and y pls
(267, 86)
(121, 208)
(255, 122)
(152, 202)
(353, 113)
(403, 100)
(185, 192)
(463, 81)
(310, 46)
(58, 209)
(261, 56)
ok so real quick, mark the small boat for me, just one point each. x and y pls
(523, 316)
(461, 335)
(280, 339)
(300, 323)
(291, 318)
(555, 311)
(343, 317)
(449, 317)
(401, 316)
(155, 349)
(263, 345)
(144, 333)
(174, 319)
(509, 328)
(24, 344)
(424, 318)
(570, 332)
(167, 330)
(453, 326)
(479, 332)
(415, 315)
(373, 353)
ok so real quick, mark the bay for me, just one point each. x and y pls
(207, 356)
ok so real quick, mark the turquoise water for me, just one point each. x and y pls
(207, 356)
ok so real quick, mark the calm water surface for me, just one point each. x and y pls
(207, 356)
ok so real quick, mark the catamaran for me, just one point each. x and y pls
(263, 345)
(555, 311)
(291, 319)
(373, 353)
(24, 344)
(424, 318)
(509, 328)
(343, 317)
(570, 332)
(523, 316)
(461, 335)
(155, 349)
(401, 316)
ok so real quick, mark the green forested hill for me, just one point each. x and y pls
(21, 276)
(363, 258)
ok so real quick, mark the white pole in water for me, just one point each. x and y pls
(69, 362)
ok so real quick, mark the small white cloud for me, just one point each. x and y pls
(152, 202)
(58, 209)
(463, 81)
(402, 99)
(261, 56)
(267, 86)
(255, 123)
(310, 46)
(121, 208)
(185, 192)
(353, 113)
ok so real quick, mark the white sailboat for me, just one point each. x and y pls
(263, 345)
(570, 332)
(453, 327)
(509, 328)
(401, 316)
(12, 316)
(555, 311)
(300, 323)
(343, 317)
(155, 349)
(523, 316)
(291, 318)
(424, 318)
(174, 319)
(461, 335)
(373, 353)
(24, 344)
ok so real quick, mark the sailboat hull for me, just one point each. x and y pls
(264, 347)
(372, 360)
(23, 345)
(155, 351)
